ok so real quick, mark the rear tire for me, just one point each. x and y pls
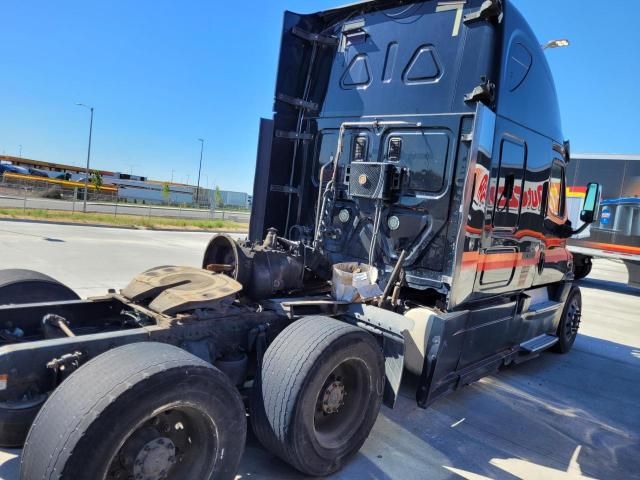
(318, 394)
(135, 412)
(569, 322)
(19, 286)
(16, 419)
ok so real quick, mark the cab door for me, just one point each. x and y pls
(492, 326)
(501, 257)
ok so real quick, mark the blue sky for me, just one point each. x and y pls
(162, 73)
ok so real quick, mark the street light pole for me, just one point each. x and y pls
(199, 171)
(86, 171)
(20, 154)
(559, 43)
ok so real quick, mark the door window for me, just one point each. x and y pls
(557, 191)
(508, 194)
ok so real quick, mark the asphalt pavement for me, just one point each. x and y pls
(557, 417)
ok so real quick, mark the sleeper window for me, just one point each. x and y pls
(423, 153)
(510, 178)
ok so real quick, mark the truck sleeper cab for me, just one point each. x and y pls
(417, 143)
(427, 134)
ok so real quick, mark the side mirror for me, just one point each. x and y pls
(591, 203)
(567, 151)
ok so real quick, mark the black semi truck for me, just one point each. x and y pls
(409, 214)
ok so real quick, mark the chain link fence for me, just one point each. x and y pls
(21, 192)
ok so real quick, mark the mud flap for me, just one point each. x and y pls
(445, 343)
(388, 327)
(393, 350)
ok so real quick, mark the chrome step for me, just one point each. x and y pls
(539, 343)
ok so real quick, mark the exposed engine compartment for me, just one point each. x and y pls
(274, 266)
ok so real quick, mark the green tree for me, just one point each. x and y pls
(96, 179)
(166, 192)
(218, 198)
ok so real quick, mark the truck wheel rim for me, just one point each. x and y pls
(572, 319)
(174, 443)
(341, 403)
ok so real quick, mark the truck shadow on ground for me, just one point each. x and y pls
(556, 417)
(609, 286)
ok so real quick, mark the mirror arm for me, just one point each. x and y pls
(580, 230)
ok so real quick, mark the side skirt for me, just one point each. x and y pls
(522, 353)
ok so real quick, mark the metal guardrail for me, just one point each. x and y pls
(44, 181)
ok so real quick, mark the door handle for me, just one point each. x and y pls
(541, 263)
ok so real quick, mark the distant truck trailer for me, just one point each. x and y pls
(616, 231)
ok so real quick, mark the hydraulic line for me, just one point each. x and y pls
(377, 216)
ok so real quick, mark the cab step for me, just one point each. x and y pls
(538, 344)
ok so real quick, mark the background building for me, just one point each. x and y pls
(135, 188)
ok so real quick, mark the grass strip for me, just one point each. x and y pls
(122, 220)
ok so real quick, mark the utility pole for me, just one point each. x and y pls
(20, 154)
(199, 170)
(86, 170)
